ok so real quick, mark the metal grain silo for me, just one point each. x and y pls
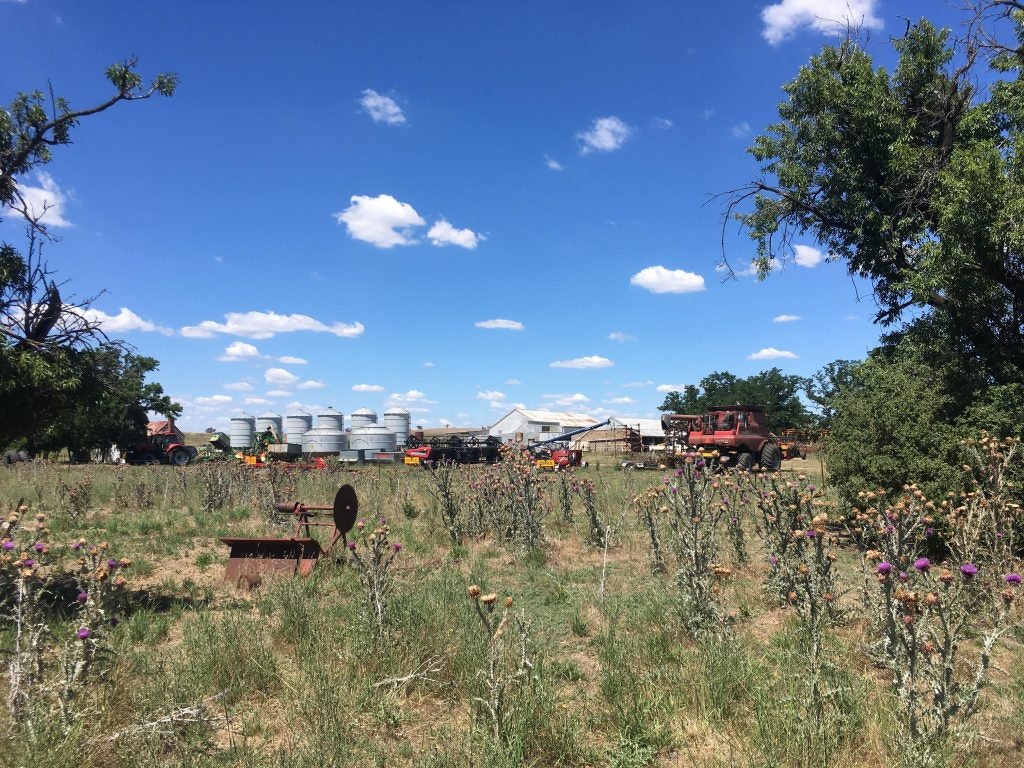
(331, 419)
(373, 437)
(363, 417)
(242, 427)
(397, 420)
(296, 425)
(324, 440)
(272, 420)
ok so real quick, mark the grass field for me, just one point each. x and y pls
(298, 673)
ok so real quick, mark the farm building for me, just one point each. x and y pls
(624, 435)
(166, 427)
(534, 426)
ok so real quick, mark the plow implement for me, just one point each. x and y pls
(250, 559)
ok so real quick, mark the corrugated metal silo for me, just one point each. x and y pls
(272, 420)
(242, 427)
(331, 419)
(373, 437)
(397, 420)
(296, 425)
(324, 440)
(363, 417)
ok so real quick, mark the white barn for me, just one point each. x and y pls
(534, 425)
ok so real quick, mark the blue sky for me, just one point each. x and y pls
(453, 207)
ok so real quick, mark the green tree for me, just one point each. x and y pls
(825, 386)
(912, 178)
(52, 356)
(775, 391)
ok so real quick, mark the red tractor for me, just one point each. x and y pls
(738, 433)
(161, 448)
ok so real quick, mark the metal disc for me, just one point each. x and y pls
(346, 507)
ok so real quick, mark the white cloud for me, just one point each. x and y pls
(490, 394)
(279, 376)
(412, 396)
(567, 401)
(661, 122)
(125, 320)
(670, 388)
(625, 400)
(593, 361)
(498, 405)
(239, 386)
(551, 163)
(606, 134)
(279, 393)
(45, 203)
(707, 114)
(658, 279)
(830, 17)
(443, 233)
(806, 256)
(771, 353)
(428, 364)
(786, 318)
(213, 400)
(381, 221)
(383, 109)
(311, 384)
(513, 382)
(638, 383)
(508, 325)
(289, 360)
(264, 325)
(256, 401)
(620, 336)
(239, 350)
(367, 388)
(740, 130)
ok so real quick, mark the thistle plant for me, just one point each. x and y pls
(692, 495)
(648, 508)
(598, 532)
(444, 486)
(508, 664)
(74, 500)
(373, 561)
(938, 623)
(510, 498)
(565, 495)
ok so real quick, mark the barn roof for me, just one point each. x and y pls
(563, 418)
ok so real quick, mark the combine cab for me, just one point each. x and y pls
(737, 433)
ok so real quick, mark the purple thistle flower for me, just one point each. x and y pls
(929, 531)
(700, 464)
(678, 473)
(903, 576)
(968, 570)
(84, 633)
(112, 563)
(76, 546)
(923, 564)
(890, 529)
(114, 621)
(383, 521)
(1012, 578)
(884, 567)
(811, 488)
(810, 533)
(28, 562)
(398, 546)
(352, 546)
(8, 545)
(40, 546)
(773, 560)
(82, 597)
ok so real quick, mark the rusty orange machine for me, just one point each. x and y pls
(250, 559)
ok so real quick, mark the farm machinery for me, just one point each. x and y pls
(461, 450)
(161, 448)
(250, 559)
(734, 435)
(546, 456)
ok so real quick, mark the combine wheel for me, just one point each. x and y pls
(771, 458)
(179, 457)
(745, 462)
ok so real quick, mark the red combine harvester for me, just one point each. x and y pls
(738, 433)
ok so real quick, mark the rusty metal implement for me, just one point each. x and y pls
(250, 559)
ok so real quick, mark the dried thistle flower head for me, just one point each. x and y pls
(489, 598)
(474, 591)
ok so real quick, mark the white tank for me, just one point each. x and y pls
(241, 431)
(324, 440)
(374, 437)
(331, 419)
(363, 417)
(397, 420)
(273, 421)
(296, 425)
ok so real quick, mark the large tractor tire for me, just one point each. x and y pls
(771, 458)
(745, 462)
(179, 457)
